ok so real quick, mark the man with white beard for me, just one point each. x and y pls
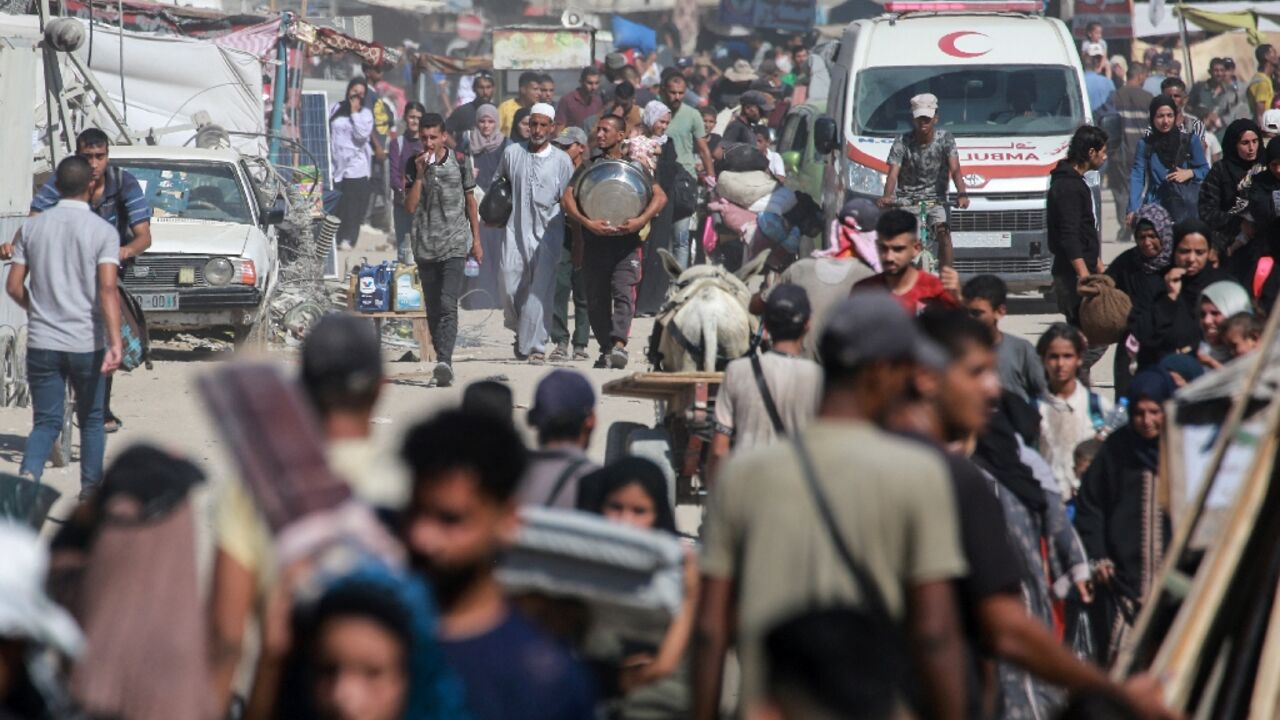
(539, 173)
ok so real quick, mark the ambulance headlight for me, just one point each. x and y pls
(863, 180)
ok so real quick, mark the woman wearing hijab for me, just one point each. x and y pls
(1139, 272)
(654, 677)
(1218, 302)
(1168, 154)
(1225, 192)
(1168, 322)
(1119, 519)
(352, 142)
(520, 125)
(654, 280)
(408, 145)
(124, 566)
(485, 143)
(367, 648)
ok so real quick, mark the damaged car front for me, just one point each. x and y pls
(213, 261)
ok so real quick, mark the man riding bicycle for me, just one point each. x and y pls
(919, 165)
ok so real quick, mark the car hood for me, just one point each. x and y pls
(198, 237)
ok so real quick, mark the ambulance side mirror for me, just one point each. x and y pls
(825, 136)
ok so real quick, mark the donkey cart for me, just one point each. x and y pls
(680, 439)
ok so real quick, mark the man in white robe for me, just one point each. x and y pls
(539, 173)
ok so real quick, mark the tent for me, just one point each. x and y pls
(1210, 17)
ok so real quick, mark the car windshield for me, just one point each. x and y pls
(972, 100)
(190, 189)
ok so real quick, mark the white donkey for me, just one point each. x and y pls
(704, 322)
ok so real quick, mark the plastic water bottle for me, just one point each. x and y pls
(472, 268)
(1116, 419)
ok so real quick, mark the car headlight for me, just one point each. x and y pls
(862, 179)
(218, 271)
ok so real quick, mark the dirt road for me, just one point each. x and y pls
(162, 406)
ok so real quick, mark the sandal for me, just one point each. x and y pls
(537, 358)
(112, 424)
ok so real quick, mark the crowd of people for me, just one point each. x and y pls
(532, 147)
(912, 512)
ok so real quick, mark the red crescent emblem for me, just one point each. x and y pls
(947, 44)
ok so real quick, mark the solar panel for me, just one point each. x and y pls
(313, 134)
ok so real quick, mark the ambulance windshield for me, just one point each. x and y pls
(972, 100)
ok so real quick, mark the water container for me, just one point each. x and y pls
(471, 269)
(373, 287)
(408, 289)
(1117, 418)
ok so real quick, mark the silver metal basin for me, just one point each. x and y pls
(614, 190)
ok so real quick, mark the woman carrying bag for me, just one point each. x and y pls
(485, 144)
(1169, 166)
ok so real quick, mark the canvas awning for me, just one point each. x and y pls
(1253, 18)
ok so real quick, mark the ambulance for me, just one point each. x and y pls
(1011, 92)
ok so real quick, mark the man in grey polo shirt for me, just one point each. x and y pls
(71, 258)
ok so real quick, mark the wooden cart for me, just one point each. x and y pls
(684, 406)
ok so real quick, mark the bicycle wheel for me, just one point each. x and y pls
(61, 455)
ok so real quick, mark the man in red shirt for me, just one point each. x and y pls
(898, 244)
(577, 106)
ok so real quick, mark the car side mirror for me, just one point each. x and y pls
(273, 216)
(825, 136)
(791, 161)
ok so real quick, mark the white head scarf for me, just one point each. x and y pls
(653, 112)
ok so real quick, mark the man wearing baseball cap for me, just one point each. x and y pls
(342, 377)
(563, 415)
(1271, 123)
(841, 512)
(744, 418)
(755, 105)
(920, 162)
(569, 277)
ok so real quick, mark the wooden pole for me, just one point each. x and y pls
(1170, 572)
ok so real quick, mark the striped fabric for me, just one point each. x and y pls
(260, 39)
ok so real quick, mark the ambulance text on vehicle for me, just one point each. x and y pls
(1011, 92)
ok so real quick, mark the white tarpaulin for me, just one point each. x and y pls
(168, 79)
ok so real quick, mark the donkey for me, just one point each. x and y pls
(704, 323)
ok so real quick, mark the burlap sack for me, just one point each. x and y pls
(1104, 310)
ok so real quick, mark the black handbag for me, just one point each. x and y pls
(495, 208)
(1182, 200)
(684, 194)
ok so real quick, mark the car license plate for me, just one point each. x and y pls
(152, 302)
(982, 239)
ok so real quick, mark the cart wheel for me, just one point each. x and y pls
(618, 441)
(61, 455)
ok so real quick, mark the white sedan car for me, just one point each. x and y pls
(213, 261)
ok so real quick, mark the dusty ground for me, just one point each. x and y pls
(162, 405)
